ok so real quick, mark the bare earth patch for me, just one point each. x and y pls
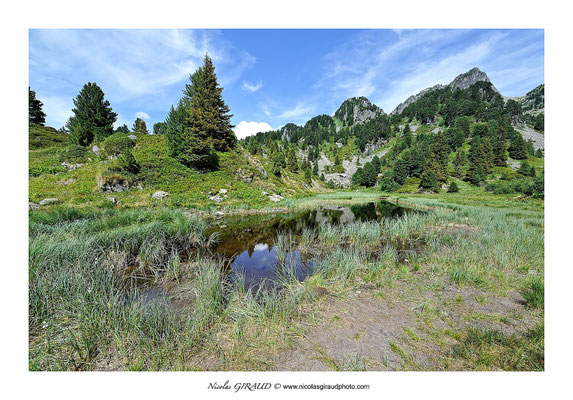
(371, 331)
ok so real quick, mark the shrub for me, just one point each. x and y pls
(116, 144)
(429, 181)
(127, 163)
(453, 188)
(73, 153)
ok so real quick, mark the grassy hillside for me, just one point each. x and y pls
(242, 175)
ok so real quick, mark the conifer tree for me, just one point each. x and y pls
(291, 162)
(35, 114)
(122, 129)
(459, 163)
(500, 152)
(429, 181)
(487, 154)
(93, 117)
(175, 125)
(139, 126)
(209, 118)
(439, 157)
(517, 146)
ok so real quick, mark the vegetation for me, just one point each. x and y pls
(35, 114)
(92, 118)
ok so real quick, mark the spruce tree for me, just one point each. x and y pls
(517, 146)
(439, 157)
(139, 126)
(122, 129)
(209, 117)
(291, 162)
(175, 125)
(487, 154)
(35, 114)
(429, 181)
(500, 152)
(92, 118)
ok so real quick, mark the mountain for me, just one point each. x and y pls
(462, 81)
(357, 110)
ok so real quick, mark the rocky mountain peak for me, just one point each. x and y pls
(357, 110)
(465, 80)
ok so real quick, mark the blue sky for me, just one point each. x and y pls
(272, 77)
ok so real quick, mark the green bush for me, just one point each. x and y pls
(73, 153)
(116, 144)
(37, 171)
(126, 163)
(453, 188)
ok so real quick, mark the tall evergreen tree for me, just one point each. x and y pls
(123, 129)
(291, 162)
(209, 118)
(92, 118)
(35, 114)
(517, 146)
(175, 125)
(459, 162)
(487, 154)
(139, 126)
(500, 152)
(439, 157)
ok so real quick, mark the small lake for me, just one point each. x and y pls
(248, 242)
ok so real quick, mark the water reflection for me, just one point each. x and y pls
(248, 243)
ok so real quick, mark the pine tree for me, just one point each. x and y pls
(175, 125)
(517, 147)
(459, 163)
(159, 128)
(500, 152)
(376, 163)
(139, 126)
(209, 118)
(487, 154)
(35, 114)
(122, 129)
(315, 168)
(291, 162)
(439, 157)
(429, 181)
(93, 117)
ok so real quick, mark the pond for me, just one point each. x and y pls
(248, 243)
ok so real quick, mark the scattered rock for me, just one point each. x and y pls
(223, 191)
(275, 198)
(33, 206)
(113, 200)
(216, 198)
(159, 195)
(132, 137)
(68, 181)
(245, 175)
(95, 149)
(219, 214)
(71, 167)
(113, 184)
(51, 200)
(265, 193)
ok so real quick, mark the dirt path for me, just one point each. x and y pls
(369, 331)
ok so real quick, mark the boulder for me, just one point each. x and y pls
(113, 183)
(71, 167)
(50, 200)
(216, 198)
(95, 149)
(132, 137)
(223, 191)
(160, 195)
(275, 198)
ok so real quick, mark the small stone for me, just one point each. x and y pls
(223, 191)
(45, 202)
(33, 206)
(219, 213)
(216, 198)
(265, 193)
(95, 149)
(113, 200)
(132, 137)
(275, 198)
(68, 181)
(160, 195)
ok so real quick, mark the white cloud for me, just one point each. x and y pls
(142, 115)
(244, 128)
(252, 88)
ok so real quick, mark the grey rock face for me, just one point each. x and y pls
(159, 195)
(413, 99)
(51, 200)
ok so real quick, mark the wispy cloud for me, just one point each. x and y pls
(296, 113)
(247, 87)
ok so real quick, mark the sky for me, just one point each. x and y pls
(271, 77)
